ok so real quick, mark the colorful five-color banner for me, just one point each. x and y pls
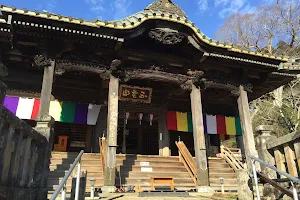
(223, 125)
(70, 112)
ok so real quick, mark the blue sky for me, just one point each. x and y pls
(208, 15)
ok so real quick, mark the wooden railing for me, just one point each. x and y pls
(103, 148)
(230, 156)
(188, 161)
(286, 153)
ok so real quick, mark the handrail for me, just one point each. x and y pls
(188, 161)
(231, 159)
(62, 184)
(103, 147)
(292, 178)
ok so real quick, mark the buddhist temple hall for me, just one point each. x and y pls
(143, 83)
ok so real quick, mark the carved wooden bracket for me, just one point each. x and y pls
(232, 87)
(42, 61)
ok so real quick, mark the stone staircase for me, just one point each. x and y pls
(129, 171)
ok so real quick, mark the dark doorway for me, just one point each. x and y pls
(140, 138)
(187, 138)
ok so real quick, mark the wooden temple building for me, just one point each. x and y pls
(142, 82)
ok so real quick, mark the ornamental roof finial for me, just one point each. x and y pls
(166, 6)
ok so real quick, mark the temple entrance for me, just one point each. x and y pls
(140, 138)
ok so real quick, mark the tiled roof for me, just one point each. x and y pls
(137, 19)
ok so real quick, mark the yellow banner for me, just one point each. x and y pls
(182, 122)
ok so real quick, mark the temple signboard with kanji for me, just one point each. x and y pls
(135, 94)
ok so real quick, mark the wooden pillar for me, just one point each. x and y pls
(44, 120)
(112, 129)
(46, 91)
(199, 138)
(248, 137)
(163, 133)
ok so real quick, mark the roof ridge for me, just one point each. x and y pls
(138, 18)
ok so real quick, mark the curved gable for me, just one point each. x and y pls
(164, 10)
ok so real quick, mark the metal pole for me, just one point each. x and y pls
(292, 178)
(78, 180)
(255, 180)
(61, 185)
(63, 193)
(295, 194)
(92, 182)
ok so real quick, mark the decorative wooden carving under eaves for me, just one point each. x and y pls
(166, 6)
(154, 75)
(166, 36)
(42, 61)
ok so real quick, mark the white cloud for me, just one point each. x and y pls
(121, 8)
(96, 5)
(221, 2)
(231, 7)
(113, 9)
(203, 5)
(225, 8)
(51, 5)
